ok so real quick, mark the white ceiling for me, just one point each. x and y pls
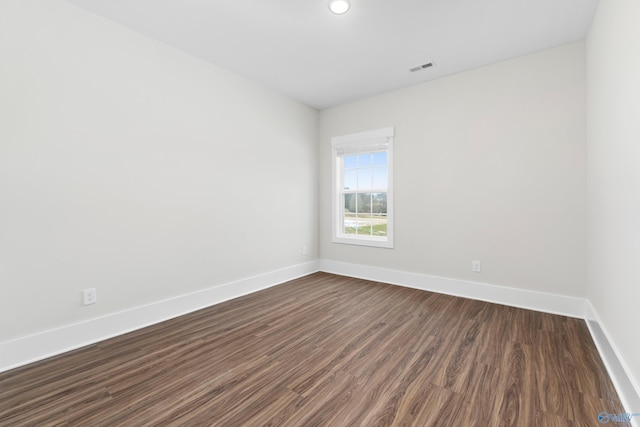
(301, 49)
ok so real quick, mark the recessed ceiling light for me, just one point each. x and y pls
(339, 6)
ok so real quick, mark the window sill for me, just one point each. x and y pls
(364, 241)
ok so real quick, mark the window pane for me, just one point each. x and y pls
(350, 218)
(380, 178)
(380, 227)
(379, 214)
(364, 213)
(349, 203)
(379, 203)
(365, 178)
(364, 203)
(380, 159)
(350, 161)
(365, 160)
(351, 179)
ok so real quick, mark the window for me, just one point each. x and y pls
(362, 188)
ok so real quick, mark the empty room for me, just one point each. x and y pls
(319, 213)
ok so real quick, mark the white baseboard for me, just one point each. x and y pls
(28, 349)
(538, 301)
(628, 389)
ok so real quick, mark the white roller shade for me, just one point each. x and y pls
(364, 142)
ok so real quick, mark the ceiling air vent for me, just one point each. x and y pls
(421, 67)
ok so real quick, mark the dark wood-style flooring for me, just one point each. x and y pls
(326, 350)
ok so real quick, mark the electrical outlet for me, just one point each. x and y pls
(475, 266)
(89, 296)
(304, 251)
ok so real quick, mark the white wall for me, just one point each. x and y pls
(613, 71)
(489, 166)
(131, 167)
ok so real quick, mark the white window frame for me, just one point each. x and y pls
(363, 142)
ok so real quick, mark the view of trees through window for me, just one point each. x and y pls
(365, 182)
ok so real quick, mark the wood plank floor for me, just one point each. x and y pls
(326, 350)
